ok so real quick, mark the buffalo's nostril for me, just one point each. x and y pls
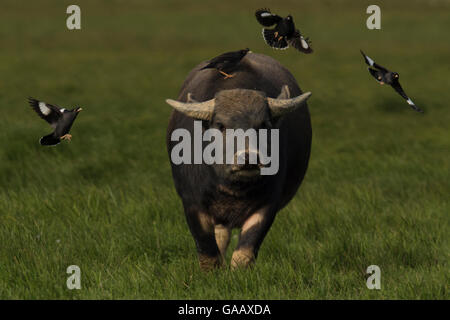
(247, 159)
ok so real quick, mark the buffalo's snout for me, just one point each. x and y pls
(247, 160)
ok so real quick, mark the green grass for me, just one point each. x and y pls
(376, 191)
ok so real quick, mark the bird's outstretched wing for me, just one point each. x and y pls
(266, 18)
(372, 63)
(368, 61)
(397, 87)
(46, 111)
(300, 43)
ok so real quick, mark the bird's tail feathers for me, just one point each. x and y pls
(274, 42)
(49, 140)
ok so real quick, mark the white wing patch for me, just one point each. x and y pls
(44, 109)
(371, 62)
(304, 43)
(62, 110)
(410, 102)
(266, 14)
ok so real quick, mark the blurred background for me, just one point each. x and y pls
(376, 191)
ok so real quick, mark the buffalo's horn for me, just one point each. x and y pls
(280, 107)
(197, 110)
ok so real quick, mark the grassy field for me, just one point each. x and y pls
(376, 191)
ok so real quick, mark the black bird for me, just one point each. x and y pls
(59, 118)
(226, 62)
(383, 75)
(284, 33)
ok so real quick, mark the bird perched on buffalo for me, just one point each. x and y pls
(284, 34)
(227, 62)
(60, 120)
(383, 75)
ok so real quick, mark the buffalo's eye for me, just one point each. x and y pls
(220, 126)
(266, 125)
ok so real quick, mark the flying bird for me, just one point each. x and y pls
(383, 75)
(60, 120)
(284, 34)
(227, 62)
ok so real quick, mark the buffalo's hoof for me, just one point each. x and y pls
(208, 263)
(242, 258)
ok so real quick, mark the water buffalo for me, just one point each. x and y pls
(219, 197)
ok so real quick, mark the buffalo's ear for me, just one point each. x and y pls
(280, 107)
(285, 93)
(190, 99)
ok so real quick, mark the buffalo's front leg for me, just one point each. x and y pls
(252, 235)
(222, 234)
(201, 226)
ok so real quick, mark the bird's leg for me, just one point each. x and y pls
(276, 34)
(226, 75)
(280, 38)
(66, 137)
